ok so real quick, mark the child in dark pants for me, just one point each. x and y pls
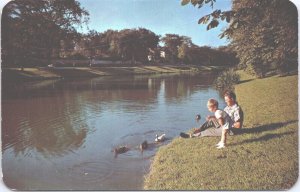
(220, 121)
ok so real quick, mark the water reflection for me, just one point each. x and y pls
(26, 126)
(58, 135)
(176, 85)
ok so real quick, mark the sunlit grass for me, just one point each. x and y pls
(263, 157)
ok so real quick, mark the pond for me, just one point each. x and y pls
(59, 134)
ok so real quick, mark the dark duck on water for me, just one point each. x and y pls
(144, 146)
(121, 149)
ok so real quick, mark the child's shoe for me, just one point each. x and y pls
(217, 145)
(221, 146)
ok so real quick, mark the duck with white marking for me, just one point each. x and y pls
(160, 138)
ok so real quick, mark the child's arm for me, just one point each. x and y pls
(221, 121)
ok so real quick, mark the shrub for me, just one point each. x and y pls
(78, 56)
(226, 80)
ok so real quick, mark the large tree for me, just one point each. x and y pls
(108, 44)
(134, 44)
(183, 49)
(34, 30)
(172, 43)
(263, 33)
(127, 44)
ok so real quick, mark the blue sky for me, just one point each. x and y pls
(159, 16)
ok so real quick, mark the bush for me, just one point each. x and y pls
(78, 56)
(226, 80)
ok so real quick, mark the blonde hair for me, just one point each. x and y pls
(213, 102)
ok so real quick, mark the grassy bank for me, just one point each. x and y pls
(83, 72)
(263, 157)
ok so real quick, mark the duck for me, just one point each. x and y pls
(121, 149)
(160, 138)
(144, 145)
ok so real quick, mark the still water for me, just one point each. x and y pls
(59, 134)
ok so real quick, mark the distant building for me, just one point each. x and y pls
(162, 54)
(157, 55)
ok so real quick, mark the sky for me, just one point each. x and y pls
(159, 16)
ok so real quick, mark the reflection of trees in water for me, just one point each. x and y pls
(31, 89)
(178, 87)
(42, 126)
(127, 95)
(57, 142)
(56, 125)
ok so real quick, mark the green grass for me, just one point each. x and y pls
(27, 73)
(263, 157)
(80, 72)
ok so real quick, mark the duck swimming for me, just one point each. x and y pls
(121, 149)
(144, 145)
(160, 138)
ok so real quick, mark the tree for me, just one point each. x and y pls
(263, 33)
(34, 29)
(267, 37)
(100, 45)
(127, 44)
(134, 44)
(172, 43)
(183, 49)
(206, 55)
(109, 43)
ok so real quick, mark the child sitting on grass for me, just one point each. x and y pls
(222, 118)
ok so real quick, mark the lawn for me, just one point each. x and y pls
(263, 157)
(80, 72)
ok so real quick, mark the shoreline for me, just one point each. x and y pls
(242, 165)
(48, 73)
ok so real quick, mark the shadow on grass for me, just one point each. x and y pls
(262, 128)
(264, 138)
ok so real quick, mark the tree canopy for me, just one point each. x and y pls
(35, 28)
(263, 33)
(135, 43)
(37, 33)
